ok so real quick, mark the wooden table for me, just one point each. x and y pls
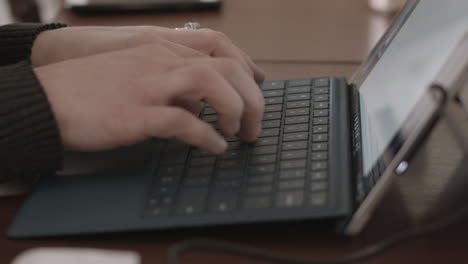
(294, 38)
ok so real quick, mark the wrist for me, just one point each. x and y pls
(44, 48)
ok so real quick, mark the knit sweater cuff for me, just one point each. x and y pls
(16, 40)
(29, 137)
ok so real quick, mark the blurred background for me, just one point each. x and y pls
(28, 10)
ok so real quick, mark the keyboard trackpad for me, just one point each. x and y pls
(132, 158)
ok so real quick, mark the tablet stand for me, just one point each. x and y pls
(436, 182)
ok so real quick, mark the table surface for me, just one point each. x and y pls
(288, 39)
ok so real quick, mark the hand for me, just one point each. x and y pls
(126, 96)
(74, 42)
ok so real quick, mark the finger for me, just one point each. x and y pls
(247, 89)
(200, 82)
(215, 44)
(181, 50)
(175, 122)
(194, 107)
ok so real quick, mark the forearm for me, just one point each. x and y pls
(29, 137)
(16, 41)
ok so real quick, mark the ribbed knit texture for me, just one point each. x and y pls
(16, 40)
(29, 137)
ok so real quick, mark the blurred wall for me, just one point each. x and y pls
(5, 15)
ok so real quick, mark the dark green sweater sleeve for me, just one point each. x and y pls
(16, 40)
(29, 137)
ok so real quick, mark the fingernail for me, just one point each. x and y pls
(219, 145)
(235, 128)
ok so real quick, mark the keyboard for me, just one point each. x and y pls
(287, 167)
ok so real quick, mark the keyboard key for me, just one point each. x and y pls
(273, 108)
(292, 174)
(298, 104)
(293, 184)
(163, 190)
(320, 113)
(174, 157)
(296, 120)
(200, 153)
(293, 164)
(231, 164)
(159, 211)
(303, 89)
(273, 100)
(191, 201)
(321, 98)
(319, 165)
(228, 184)
(160, 201)
(260, 189)
(320, 82)
(233, 154)
(318, 199)
(318, 186)
(320, 138)
(170, 171)
(298, 97)
(296, 128)
(201, 181)
(209, 111)
(271, 85)
(199, 171)
(223, 202)
(294, 145)
(290, 199)
(272, 116)
(317, 156)
(210, 118)
(260, 169)
(295, 136)
(273, 93)
(319, 175)
(264, 150)
(174, 145)
(321, 90)
(270, 132)
(320, 147)
(321, 105)
(166, 200)
(266, 141)
(297, 112)
(271, 123)
(202, 161)
(257, 202)
(299, 82)
(260, 179)
(320, 129)
(229, 174)
(234, 145)
(263, 159)
(168, 180)
(321, 121)
(296, 154)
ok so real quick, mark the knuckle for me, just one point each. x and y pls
(216, 38)
(228, 66)
(144, 36)
(200, 73)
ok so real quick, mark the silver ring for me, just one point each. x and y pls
(190, 26)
